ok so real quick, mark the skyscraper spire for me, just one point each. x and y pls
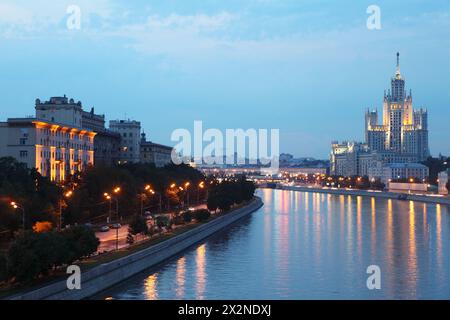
(397, 72)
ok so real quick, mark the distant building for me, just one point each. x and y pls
(157, 154)
(394, 171)
(345, 158)
(129, 130)
(55, 149)
(106, 143)
(402, 138)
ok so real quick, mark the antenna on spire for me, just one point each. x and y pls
(397, 72)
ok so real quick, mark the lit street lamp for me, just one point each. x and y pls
(61, 203)
(186, 186)
(16, 206)
(201, 185)
(110, 198)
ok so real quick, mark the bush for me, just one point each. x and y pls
(178, 220)
(163, 221)
(187, 216)
(201, 215)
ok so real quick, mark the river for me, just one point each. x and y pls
(303, 245)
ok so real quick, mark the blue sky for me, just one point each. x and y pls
(307, 67)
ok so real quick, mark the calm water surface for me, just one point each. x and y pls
(311, 246)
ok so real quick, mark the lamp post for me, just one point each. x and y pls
(171, 187)
(201, 185)
(186, 186)
(109, 197)
(16, 206)
(67, 195)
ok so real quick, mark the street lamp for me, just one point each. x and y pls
(16, 206)
(110, 198)
(201, 185)
(68, 194)
(186, 186)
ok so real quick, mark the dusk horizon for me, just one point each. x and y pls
(299, 67)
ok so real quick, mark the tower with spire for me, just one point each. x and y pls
(403, 130)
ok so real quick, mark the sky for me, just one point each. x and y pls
(309, 68)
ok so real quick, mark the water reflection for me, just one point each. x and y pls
(150, 287)
(311, 246)
(181, 277)
(201, 274)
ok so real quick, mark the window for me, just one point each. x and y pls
(23, 141)
(23, 153)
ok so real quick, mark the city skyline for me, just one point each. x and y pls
(166, 60)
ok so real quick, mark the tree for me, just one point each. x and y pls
(37, 195)
(224, 202)
(201, 215)
(44, 226)
(138, 225)
(32, 254)
(212, 202)
(81, 241)
(435, 165)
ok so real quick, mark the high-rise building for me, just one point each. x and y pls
(401, 137)
(403, 129)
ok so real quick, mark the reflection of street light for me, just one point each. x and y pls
(16, 206)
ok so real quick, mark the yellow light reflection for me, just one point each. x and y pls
(201, 274)
(151, 293)
(181, 277)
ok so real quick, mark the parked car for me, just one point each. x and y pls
(89, 225)
(104, 229)
(116, 226)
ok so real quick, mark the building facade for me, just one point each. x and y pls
(106, 143)
(153, 153)
(56, 150)
(130, 141)
(396, 171)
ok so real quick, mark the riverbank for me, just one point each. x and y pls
(365, 193)
(111, 273)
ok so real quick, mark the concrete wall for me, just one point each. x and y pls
(109, 274)
(385, 195)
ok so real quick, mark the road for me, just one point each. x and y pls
(108, 239)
